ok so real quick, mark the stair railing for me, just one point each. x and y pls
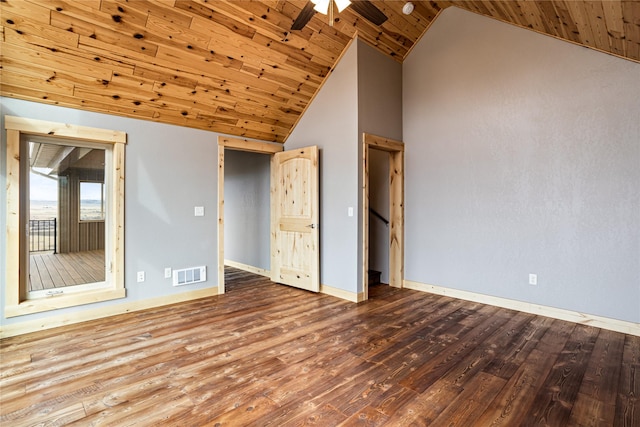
(380, 217)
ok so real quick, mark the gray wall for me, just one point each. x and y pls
(523, 156)
(379, 93)
(169, 170)
(247, 208)
(330, 122)
(363, 94)
(379, 113)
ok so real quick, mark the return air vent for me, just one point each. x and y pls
(187, 276)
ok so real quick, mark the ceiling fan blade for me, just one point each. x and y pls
(367, 10)
(304, 17)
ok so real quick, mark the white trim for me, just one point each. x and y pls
(249, 268)
(556, 313)
(342, 294)
(102, 312)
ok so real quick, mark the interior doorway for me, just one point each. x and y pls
(247, 207)
(293, 210)
(378, 271)
(242, 145)
(395, 236)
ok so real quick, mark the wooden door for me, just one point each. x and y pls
(295, 252)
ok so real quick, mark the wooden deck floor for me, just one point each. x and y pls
(48, 270)
(269, 355)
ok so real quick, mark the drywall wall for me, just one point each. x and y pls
(379, 93)
(169, 171)
(363, 94)
(379, 113)
(330, 122)
(523, 156)
(247, 208)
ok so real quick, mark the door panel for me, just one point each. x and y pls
(295, 202)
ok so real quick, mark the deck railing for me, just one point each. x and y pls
(42, 235)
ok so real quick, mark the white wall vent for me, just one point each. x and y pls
(187, 276)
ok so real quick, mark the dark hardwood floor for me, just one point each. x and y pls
(270, 355)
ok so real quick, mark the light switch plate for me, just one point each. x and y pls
(198, 211)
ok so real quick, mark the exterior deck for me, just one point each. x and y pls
(48, 270)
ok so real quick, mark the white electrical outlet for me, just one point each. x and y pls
(167, 273)
(140, 276)
(533, 279)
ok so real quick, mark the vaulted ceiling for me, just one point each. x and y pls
(236, 67)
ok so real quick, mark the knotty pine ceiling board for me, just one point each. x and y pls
(235, 67)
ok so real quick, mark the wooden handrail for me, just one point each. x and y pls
(380, 217)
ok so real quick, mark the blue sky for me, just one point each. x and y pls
(42, 188)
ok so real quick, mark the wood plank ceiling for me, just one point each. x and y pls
(235, 67)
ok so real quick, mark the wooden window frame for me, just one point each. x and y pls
(16, 301)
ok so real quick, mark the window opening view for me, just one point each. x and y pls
(66, 217)
(91, 201)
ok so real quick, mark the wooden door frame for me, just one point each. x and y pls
(237, 144)
(396, 208)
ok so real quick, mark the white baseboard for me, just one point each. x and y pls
(249, 268)
(99, 313)
(341, 293)
(556, 313)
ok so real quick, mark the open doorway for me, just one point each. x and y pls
(391, 257)
(66, 207)
(378, 217)
(294, 212)
(247, 209)
(89, 217)
(240, 147)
